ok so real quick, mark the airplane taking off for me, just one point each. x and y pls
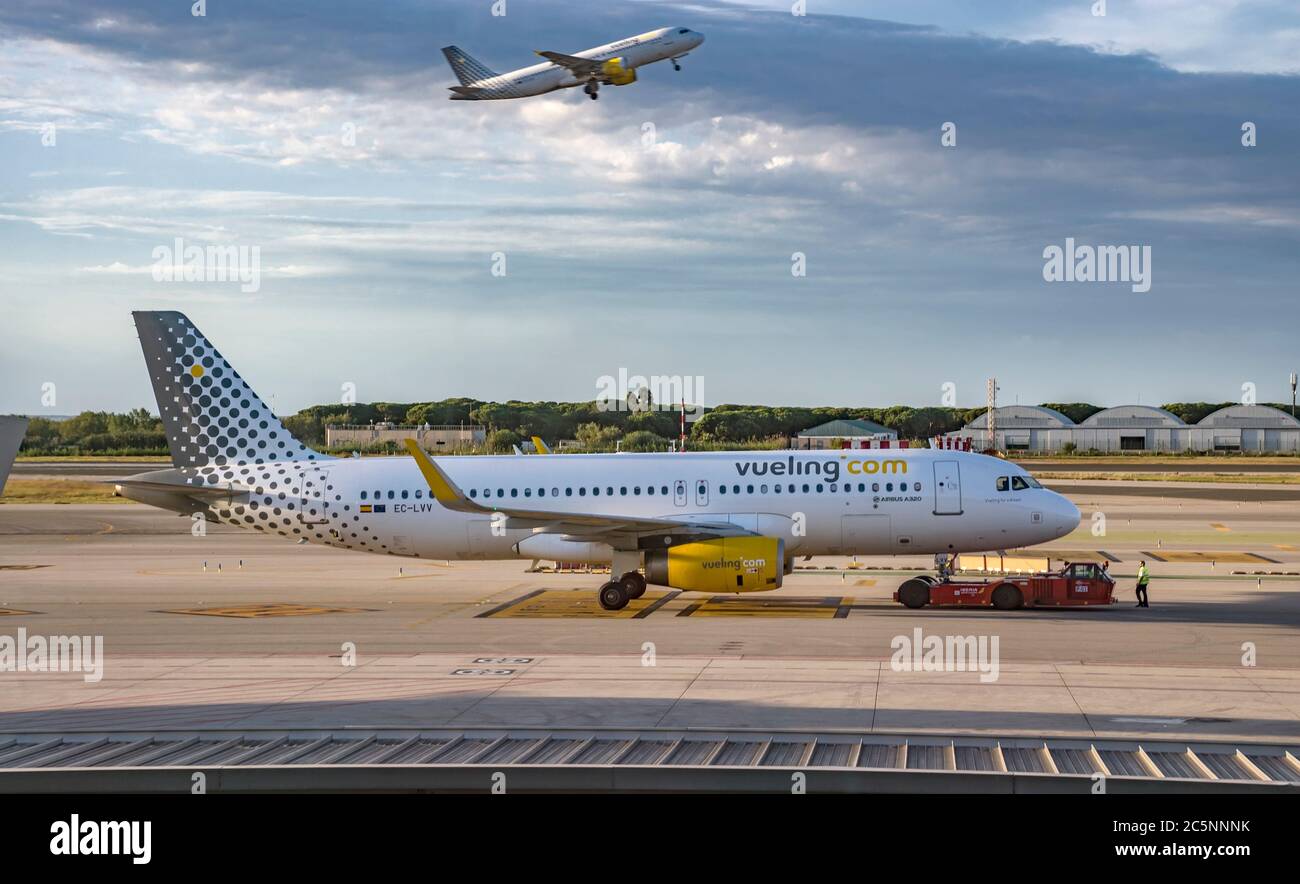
(613, 64)
(708, 522)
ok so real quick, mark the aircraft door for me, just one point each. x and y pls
(312, 500)
(679, 492)
(701, 492)
(947, 488)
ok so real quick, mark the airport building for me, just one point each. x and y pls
(430, 437)
(846, 434)
(1254, 428)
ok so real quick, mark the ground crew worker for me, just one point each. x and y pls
(1144, 577)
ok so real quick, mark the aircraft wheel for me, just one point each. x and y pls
(1008, 597)
(634, 583)
(613, 596)
(914, 593)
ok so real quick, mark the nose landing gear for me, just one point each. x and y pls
(676, 65)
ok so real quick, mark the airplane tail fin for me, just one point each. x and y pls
(212, 418)
(469, 70)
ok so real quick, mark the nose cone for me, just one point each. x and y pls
(1064, 514)
(696, 38)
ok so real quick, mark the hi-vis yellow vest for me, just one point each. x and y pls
(1143, 575)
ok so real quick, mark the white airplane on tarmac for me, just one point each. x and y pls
(613, 64)
(708, 522)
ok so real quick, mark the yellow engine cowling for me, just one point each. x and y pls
(616, 74)
(727, 564)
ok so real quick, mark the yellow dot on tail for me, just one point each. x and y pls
(197, 371)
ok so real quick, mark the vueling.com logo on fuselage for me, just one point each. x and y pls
(735, 564)
(826, 469)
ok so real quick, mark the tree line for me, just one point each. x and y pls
(595, 428)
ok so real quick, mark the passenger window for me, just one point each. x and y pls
(582, 492)
(404, 495)
(722, 489)
(391, 495)
(528, 492)
(762, 489)
(664, 490)
(834, 486)
(514, 492)
(749, 489)
(819, 487)
(363, 495)
(1018, 483)
(472, 493)
(875, 486)
(596, 491)
(419, 494)
(1003, 483)
(623, 491)
(805, 488)
(735, 489)
(568, 492)
(650, 490)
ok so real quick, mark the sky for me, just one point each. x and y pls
(412, 248)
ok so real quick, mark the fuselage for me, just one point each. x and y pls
(635, 52)
(835, 502)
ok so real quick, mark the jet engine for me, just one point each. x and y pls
(725, 564)
(616, 74)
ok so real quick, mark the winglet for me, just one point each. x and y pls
(443, 489)
(542, 447)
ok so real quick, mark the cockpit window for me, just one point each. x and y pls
(1003, 483)
(1018, 483)
(684, 31)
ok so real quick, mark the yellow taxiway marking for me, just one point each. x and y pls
(1218, 527)
(1284, 546)
(1165, 555)
(729, 606)
(21, 567)
(578, 603)
(274, 610)
(13, 612)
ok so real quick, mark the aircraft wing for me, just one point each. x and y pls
(581, 67)
(586, 525)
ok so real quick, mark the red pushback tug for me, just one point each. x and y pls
(1077, 584)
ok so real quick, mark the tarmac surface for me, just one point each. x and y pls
(261, 637)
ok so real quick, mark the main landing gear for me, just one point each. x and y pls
(615, 595)
(592, 89)
(676, 66)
